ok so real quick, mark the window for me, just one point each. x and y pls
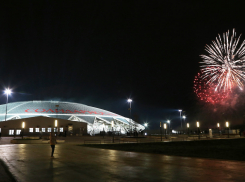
(55, 129)
(61, 129)
(30, 130)
(43, 129)
(49, 129)
(18, 132)
(37, 129)
(11, 132)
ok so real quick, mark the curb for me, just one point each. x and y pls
(6, 168)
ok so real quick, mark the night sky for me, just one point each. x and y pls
(100, 53)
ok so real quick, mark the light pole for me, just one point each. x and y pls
(161, 130)
(218, 126)
(180, 117)
(56, 125)
(129, 101)
(184, 117)
(7, 92)
(188, 126)
(168, 121)
(146, 125)
(23, 127)
(112, 125)
(227, 126)
(165, 128)
(198, 130)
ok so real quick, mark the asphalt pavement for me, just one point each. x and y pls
(32, 162)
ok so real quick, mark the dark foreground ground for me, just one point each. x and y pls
(229, 149)
(32, 163)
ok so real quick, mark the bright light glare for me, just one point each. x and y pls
(184, 117)
(180, 110)
(7, 91)
(165, 126)
(130, 100)
(227, 124)
(188, 125)
(198, 124)
(56, 123)
(112, 123)
(23, 124)
(168, 121)
(218, 125)
(145, 124)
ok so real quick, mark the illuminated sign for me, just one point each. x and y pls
(67, 111)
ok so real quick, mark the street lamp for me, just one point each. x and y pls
(146, 125)
(56, 125)
(184, 117)
(227, 126)
(168, 121)
(112, 125)
(198, 130)
(188, 126)
(7, 92)
(180, 117)
(161, 130)
(129, 101)
(23, 127)
(165, 128)
(218, 126)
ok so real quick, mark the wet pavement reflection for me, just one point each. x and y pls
(32, 162)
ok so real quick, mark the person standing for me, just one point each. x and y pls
(52, 142)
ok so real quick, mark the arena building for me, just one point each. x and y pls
(66, 118)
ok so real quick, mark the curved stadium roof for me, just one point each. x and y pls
(65, 110)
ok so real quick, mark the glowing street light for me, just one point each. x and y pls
(56, 126)
(145, 124)
(168, 121)
(227, 126)
(165, 128)
(23, 127)
(112, 125)
(129, 101)
(198, 125)
(188, 126)
(7, 92)
(184, 117)
(180, 117)
(198, 130)
(218, 126)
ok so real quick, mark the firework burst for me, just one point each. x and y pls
(223, 66)
(206, 92)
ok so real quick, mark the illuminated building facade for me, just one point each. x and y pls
(72, 119)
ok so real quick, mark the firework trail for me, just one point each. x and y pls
(223, 66)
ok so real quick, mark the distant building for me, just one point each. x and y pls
(72, 119)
